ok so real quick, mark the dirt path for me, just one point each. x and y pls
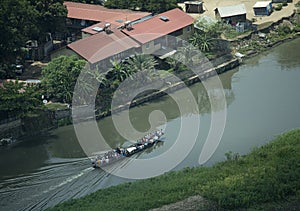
(33, 71)
(210, 5)
(190, 204)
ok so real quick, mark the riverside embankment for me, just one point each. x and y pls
(262, 101)
(270, 174)
(262, 39)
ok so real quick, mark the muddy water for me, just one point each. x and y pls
(263, 100)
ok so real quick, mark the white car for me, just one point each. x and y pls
(19, 69)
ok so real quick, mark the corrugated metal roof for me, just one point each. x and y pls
(91, 30)
(193, 2)
(232, 10)
(99, 13)
(260, 4)
(101, 46)
(154, 28)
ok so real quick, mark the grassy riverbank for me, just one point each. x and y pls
(269, 177)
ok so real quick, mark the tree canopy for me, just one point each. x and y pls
(23, 20)
(17, 99)
(154, 6)
(60, 76)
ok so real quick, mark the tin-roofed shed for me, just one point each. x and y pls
(232, 14)
(193, 6)
(262, 8)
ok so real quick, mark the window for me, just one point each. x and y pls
(177, 33)
(147, 45)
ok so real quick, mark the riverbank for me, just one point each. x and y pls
(283, 30)
(265, 38)
(269, 177)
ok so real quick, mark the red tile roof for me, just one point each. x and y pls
(154, 28)
(100, 13)
(101, 46)
(101, 25)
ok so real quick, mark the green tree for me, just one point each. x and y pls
(142, 62)
(18, 24)
(207, 35)
(159, 6)
(138, 63)
(23, 20)
(118, 71)
(154, 6)
(60, 75)
(17, 98)
(51, 15)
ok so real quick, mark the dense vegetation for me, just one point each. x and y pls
(23, 20)
(59, 77)
(17, 99)
(154, 6)
(268, 176)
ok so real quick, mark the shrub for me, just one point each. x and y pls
(278, 7)
(284, 4)
(284, 30)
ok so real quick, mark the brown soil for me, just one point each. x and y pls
(190, 204)
(210, 5)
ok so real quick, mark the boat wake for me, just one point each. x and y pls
(61, 180)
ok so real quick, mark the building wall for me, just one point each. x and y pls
(239, 18)
(263, 11)
(187, 32)
(282, 1)
(194, 8)
(65, 51)
(104, 64)
(232, 19)
(172, 40)
(85, 35)
(152, 46)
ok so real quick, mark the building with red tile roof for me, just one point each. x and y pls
(145, 35)
(163, 24)
(101, 46)
(96, 28)
(98, 13)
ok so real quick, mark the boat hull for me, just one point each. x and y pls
(120, 153)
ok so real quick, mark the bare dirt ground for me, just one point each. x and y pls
(210, 5)
(190, 204)
(33, 70)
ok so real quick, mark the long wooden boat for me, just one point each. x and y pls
(119, 153)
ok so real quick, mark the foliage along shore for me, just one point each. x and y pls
(268, 177)
(286, 29)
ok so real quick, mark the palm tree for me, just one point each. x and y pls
(203, 41)
(118, 71)
(141, 62)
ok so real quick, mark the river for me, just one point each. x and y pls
(263, 100)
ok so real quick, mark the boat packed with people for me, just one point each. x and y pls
(119, 153)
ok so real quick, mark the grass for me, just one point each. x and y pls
(56, 106)
(264, 25)
(267, 177)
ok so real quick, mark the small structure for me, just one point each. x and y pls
(193, 6)
(262, 8)
(204, 21)
(282, 1)
(232, 14)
